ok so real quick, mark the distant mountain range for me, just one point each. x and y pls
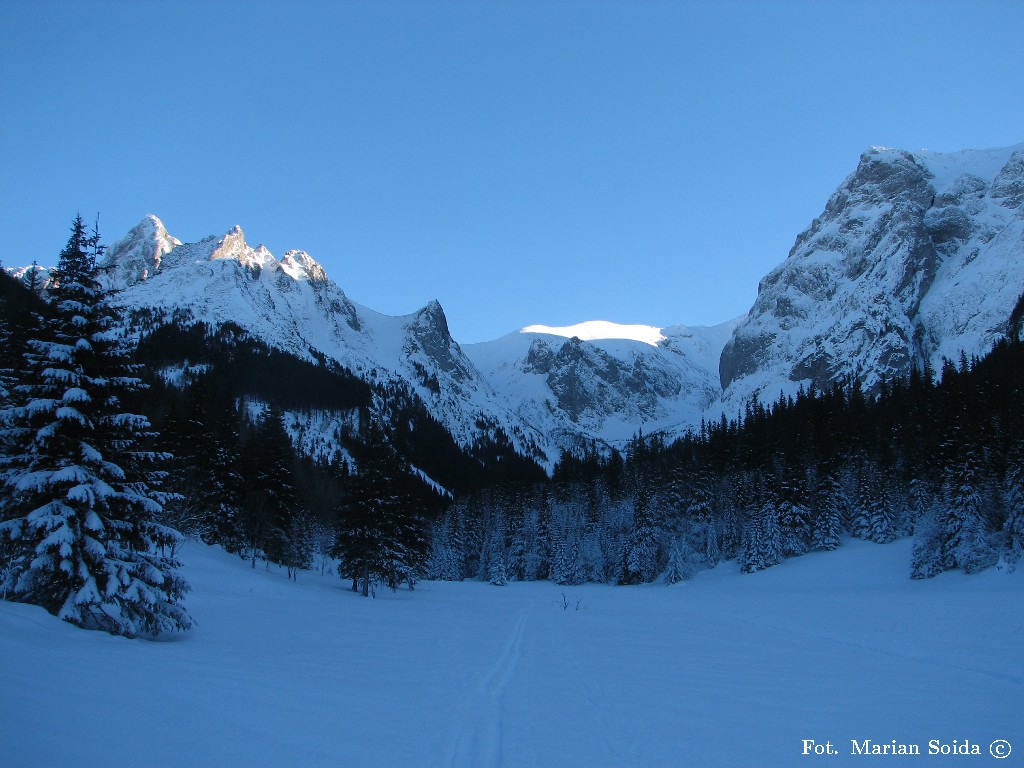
(917, 257)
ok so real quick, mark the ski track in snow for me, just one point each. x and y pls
(479, 743)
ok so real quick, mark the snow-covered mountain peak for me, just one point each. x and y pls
(595, 330)
(148, 250)
(433, 312)
(140, 253)
(299, 265)
(232, 246)
(915, 259)
(428, 334)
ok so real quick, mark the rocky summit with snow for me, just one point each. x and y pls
(917, 258)
(545, 389)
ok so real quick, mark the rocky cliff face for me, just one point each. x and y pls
(916, 257)
(606, 389)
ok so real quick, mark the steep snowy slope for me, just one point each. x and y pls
(547, 389)
(292, 305)
(605, 382)
(916, 258)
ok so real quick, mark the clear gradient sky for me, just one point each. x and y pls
(522, 162)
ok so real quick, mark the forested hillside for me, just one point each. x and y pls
(939, 460)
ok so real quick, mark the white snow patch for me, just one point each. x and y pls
(593, 330)
(946, 167)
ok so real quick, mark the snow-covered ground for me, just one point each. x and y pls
(725, 670)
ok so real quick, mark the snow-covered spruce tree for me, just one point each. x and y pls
(497, 575)
(592, 555)
(381, 526)
(683, 562)
(534, 544)
(497, 552)
(674, 572)
(443, 564)
(80, 493)
(966, 542)
(1013, 528)
(712, 550)
(873, 518)
(926, 556)
(761, 547)
(793, 520)
(567, 567)
(641, 551)
(827, 516)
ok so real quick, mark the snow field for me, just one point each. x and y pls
(724, 670)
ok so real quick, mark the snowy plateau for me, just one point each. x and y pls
(917, 258)
(727, 669)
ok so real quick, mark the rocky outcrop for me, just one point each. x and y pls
(916, 257)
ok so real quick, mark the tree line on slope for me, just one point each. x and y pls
(936, 458)
(117, 433)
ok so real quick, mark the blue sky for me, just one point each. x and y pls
(521, 162)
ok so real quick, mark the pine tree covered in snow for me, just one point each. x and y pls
(712, 550)
(762, 545)
(966, 542)
(641, 550)
(683, 562)
(381, 526)
(1013, 528)
(926, 558)
(794, 520)
(443, 563)
(827, 526)
(873, 517)
(498, 576)
(567, 567)
(676, 569)
(497, 552)
(80, 492)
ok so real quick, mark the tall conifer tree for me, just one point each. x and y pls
(80, 494)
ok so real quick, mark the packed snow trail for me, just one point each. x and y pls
(724, 670)
(480, 733)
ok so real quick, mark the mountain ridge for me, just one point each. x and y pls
(915, 259)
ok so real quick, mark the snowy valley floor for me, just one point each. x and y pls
(726, 670)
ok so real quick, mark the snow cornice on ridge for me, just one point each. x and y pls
(597, 330)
